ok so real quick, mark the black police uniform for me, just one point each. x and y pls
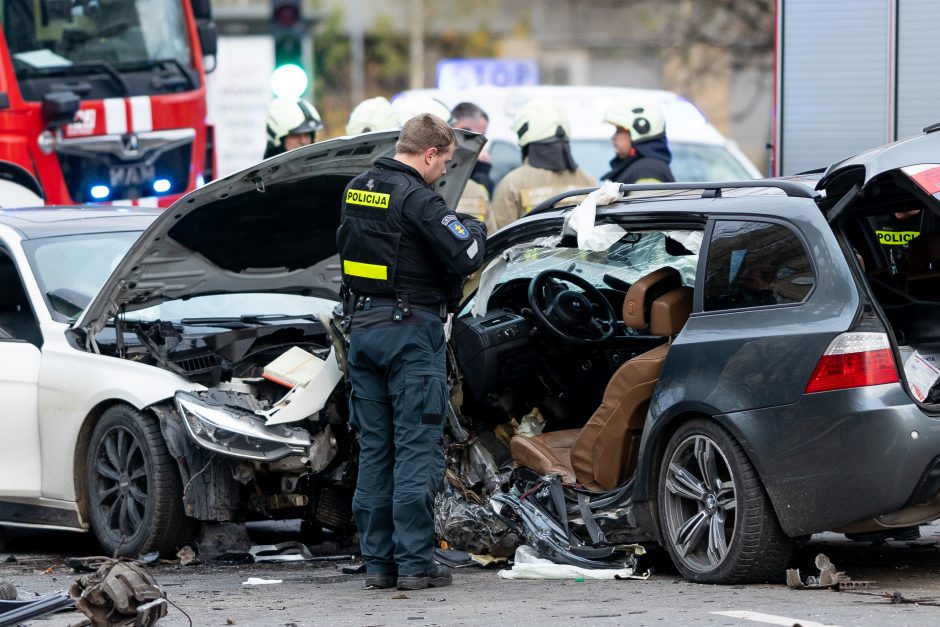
(895, 236)
(404, 256)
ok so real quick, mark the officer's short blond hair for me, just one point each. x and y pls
(425, 131)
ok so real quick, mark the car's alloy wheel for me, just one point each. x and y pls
(717, 523)
(133, 487)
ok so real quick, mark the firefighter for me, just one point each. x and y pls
(469, 116)
(547, 165)
(291, 124)
(404, 257)
(642, 152)
(373, 114)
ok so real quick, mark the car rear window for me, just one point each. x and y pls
(755, 264)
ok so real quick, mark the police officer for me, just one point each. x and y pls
(547, 166)
(372, 114)
(642, 152)
(292, 123)
(897, 230)
(404, 257)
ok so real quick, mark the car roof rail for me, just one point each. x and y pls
(709, 190)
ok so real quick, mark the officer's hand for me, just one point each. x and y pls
(466, 217)
(472, 223)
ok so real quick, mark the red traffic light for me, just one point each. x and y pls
(287, 15)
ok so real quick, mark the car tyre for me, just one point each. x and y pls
(133, 489)
(717, 522)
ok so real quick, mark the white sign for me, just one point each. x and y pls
(921, 375)
(466, 73)
(239, 93)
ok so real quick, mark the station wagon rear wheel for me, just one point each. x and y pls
(132, 485)
(716, 520)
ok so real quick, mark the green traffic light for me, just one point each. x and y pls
(289, 81)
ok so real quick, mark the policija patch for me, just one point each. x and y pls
(458, 230)
(368, 199)
(896, 238)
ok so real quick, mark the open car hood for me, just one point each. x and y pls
(269, 228)
(912, 165)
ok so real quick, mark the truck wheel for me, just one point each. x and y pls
(133, 491)
(716, 520)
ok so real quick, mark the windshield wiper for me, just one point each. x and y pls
(153, 64)
(85, 67)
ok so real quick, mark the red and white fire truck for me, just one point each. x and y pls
(105, 100)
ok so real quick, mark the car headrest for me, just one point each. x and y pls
(640, 296)
(924, 252)
(671, 311)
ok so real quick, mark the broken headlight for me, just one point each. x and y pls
(239, 434)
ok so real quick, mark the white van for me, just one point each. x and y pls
(699, 151)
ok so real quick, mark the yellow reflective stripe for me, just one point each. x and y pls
(365, 270)
(368, 199)
(895, 238)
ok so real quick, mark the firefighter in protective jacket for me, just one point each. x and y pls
(404, 257)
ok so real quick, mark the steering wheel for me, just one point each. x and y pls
(584, 318)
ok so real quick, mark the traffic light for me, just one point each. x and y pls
(289, 78)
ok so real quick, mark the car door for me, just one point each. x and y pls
(20, 338)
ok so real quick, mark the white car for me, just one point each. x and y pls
(133, 344)
(699, 151)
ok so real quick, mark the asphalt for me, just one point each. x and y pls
(319, 593)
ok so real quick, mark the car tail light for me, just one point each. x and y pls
(854, 360)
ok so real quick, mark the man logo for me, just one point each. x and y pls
(458, 230)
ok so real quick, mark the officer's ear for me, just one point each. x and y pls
(429, 154)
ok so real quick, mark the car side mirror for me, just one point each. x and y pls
(59, 108)
(208, 40)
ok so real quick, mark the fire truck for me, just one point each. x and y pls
(852, 75)
(104, 101)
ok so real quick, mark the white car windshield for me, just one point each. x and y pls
(68, 286)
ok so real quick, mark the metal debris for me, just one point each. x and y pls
(119, 594)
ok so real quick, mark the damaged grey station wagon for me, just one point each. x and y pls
(716, 368)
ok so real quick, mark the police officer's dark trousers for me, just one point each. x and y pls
(398, 374)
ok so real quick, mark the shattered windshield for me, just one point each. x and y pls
(634, 256)
(45, 34)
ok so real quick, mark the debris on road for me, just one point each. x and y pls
(186, 555)
(14, 612)
(528, 564)
(829, 578)
(283, 552)
(258, 581)
(7, 591)
(119, 593)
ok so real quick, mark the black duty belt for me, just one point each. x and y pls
(368, 302)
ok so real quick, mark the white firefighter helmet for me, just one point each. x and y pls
(374, 114)
(538, 119)
(289, 116)
(643, 118)
(408, 107)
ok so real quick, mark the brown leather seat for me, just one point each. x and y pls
(602, 454)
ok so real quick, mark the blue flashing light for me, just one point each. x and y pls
(100, 192)
(161, 186)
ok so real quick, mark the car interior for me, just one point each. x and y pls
(577, 341)
(16, 316)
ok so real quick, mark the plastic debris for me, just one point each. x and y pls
(283, 552)
(471, 526)
(528, 564)
(829, 578)
(13, 612)
(258, 581)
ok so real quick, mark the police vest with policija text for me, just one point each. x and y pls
(379, 256)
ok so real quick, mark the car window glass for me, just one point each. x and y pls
(634, 256)
(16, 316)
(755, 264)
